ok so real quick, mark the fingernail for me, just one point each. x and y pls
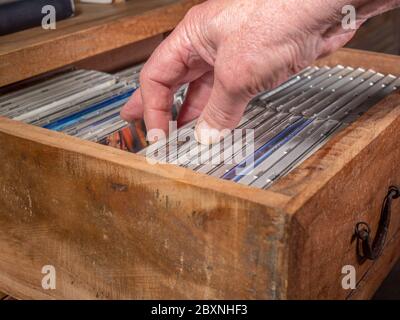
(205, 134)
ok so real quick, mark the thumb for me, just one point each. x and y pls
(223, 112)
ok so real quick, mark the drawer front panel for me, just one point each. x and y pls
(114, 231)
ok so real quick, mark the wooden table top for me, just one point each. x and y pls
(93, 30)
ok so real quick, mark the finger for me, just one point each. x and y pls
(196, 98)
(224, 109)
(173, 64)
(133, 109)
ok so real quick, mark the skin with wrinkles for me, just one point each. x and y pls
(230, 50)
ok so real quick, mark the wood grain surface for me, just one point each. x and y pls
(115, 226)
(94, 29)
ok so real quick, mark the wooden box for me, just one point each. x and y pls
(117, 227)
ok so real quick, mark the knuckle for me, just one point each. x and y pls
(225, 118)
(241, 79)
(193, 12)
(148, 74)
(144, 74)
(229, 84)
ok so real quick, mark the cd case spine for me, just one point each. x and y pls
(24, 14)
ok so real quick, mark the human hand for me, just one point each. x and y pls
(231, 50)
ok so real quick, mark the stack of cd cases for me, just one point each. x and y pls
(286, 125)
(82, 103)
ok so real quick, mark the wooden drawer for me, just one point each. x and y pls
(115, 226)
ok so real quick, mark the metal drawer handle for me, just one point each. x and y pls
(372, 249)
